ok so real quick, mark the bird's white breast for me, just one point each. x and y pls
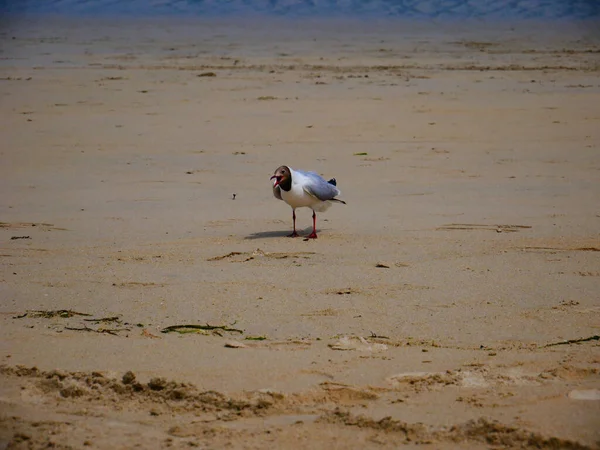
(296, 197)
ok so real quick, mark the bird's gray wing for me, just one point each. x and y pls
(277, 192)
(316, 186)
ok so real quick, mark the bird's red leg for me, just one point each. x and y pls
(294, 234)
(313, 235)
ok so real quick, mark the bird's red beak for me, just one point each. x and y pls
(277, 180)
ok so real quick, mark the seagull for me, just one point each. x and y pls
(304, 189)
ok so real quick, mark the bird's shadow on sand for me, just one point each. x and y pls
(278, 234)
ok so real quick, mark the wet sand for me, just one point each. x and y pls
(453, 303)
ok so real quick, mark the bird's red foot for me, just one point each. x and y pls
(312, 235)
(294, 234)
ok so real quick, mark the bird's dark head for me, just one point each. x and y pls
(282, 176)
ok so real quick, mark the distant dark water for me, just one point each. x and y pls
(418, 9)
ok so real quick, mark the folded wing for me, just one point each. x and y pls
(317, 187)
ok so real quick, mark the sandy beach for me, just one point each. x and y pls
(453, 303)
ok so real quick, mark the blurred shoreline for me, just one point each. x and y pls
(408, 9)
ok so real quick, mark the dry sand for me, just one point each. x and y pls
(424, 315)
